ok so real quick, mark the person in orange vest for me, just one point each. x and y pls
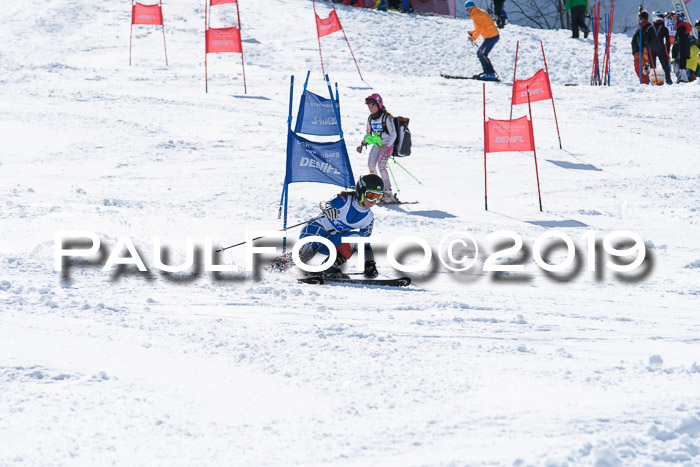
(483, 27)
(639, 47)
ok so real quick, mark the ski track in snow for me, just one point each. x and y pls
(456, 369)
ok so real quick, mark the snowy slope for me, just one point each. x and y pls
(458, 368)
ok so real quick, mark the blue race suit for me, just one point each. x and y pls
(353, 220)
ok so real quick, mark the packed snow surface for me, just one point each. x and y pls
(521, 368)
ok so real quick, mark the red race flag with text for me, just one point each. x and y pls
(539, 88)
(223, 40)
(508, 135)
(221, 2)
(146, 14)
(328, 25)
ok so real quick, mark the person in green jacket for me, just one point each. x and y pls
(579, 10)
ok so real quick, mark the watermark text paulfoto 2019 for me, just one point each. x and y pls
(622, 252)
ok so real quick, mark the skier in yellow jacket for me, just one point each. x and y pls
(483, 27)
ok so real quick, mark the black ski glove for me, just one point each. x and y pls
(329, 211)
(371, 269)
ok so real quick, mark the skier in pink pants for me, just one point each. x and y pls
(380, 123)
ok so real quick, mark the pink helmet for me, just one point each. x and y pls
(375, 99)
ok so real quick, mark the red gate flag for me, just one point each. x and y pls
(508, 135)
(146, 14)
(223, 40)
(539, 88)
(539, 85)
(328, 25)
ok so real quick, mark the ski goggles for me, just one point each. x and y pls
(373, 195)
(369, 100)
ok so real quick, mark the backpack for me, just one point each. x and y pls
(402, 144)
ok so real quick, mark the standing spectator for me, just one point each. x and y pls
(500, 12)
(483, 26)
(639, 47)
(579, 10)
(693, 63)
(659, 45)
(681, 47)
(668, 22)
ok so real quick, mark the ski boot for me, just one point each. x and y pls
(388, 198)
(282, 263)
(334, 271)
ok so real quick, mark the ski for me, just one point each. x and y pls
(595, 19)
(394, 203)
(318, 280)
(608, 42)
(476, 78)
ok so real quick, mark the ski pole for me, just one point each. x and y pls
(470, 39)
(280, 230)
(404, 168)
(641, 54)
(398, 190)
